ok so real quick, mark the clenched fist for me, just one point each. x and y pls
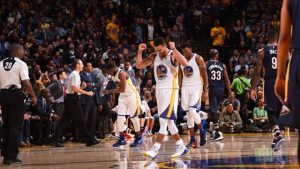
(142, 46)
(172, 45)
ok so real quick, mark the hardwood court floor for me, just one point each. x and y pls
(235, 151)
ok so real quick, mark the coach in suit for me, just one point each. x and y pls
(90, 103)
(41, 125)
(57, 89)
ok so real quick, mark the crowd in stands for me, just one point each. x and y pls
(55, 33)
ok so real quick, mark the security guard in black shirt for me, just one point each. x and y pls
(13, 75)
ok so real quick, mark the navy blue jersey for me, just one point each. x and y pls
(215, 72)
(295, 9)
(270, 61)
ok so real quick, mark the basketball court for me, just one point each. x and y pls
(235, 151)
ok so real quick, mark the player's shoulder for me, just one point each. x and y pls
(197, 56)
(21, 62)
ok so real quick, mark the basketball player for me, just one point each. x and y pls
(217, 79)
(165, 62)
(267, 60)
(191, 92)
(290, 19)
(129, 103)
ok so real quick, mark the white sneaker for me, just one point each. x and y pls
(212, 135)
(180, 151)
(152, 153)
(218, 136)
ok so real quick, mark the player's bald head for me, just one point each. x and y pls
(17, 50)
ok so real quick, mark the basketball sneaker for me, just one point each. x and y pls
(180, 151)
(212, 135)
(277, 142)
(137, 141)
(218, 136)
(202, 138)
(119, 143)
(152, 153)
(192, 143)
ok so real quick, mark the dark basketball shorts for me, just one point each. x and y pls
(273, 105)
(293, 93)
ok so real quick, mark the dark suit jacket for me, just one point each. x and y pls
(38, 108)
(56, 89)
(93, 85)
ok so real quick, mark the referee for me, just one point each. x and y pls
(13, 75)
(73, 110)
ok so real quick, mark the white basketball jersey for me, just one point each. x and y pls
(191, 73)
(129, 87)
(166, 74)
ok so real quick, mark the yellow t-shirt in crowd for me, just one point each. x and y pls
(112, 31)
(45, 26)
(218, 34)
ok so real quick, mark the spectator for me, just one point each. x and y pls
(242, 64)
(217, 34)
(260, 115)
(230, 120)
(137, 79)
(3, 47)
(234, 61)
(112, 30)
(151, 31)
(41, 125)
(128, 69)
(138, 30)
(69, 56)
(57, 89)
(240, 84)
(235, 102)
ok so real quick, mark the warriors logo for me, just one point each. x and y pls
(161, 72)
(188, 71)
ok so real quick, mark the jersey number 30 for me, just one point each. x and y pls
(215, 75)
(274, 62)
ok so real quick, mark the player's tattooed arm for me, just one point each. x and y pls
(140, 63)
